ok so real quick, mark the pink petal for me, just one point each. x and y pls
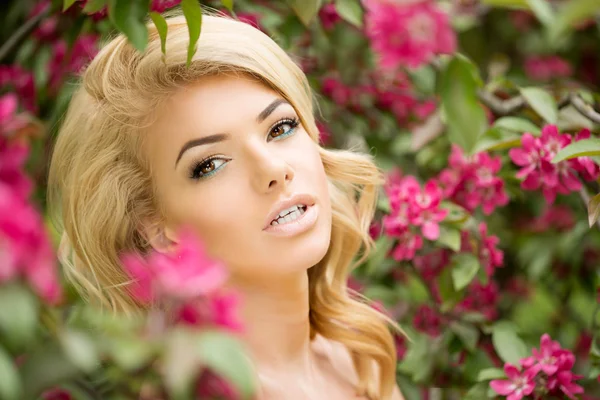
(502, 387)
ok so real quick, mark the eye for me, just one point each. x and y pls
(283, 128)
(207, 167)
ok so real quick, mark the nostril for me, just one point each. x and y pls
(272, 183)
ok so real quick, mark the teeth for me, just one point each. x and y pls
(292, 216)
(287, 211)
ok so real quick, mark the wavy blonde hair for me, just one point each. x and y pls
(100, 188)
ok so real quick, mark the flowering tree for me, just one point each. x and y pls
(485, 113)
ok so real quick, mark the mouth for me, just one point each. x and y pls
(289, 215)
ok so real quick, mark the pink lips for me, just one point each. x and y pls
(302, 223)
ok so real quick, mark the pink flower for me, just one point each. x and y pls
(56, 394)
(427, 320)
(588, 169)
(15, 77)
(518, 385)
(537, 171)
(472, 182)
(408, 34)
(559, 217)
(324, 134)
(13, 155)
(25, 248)
(412, 208)
(546, 68)
(482, 299)
(431, 265)
(212, 386)
(489, 255)
(252, 19)
(336, 90)
(329, 16)
(162, 5)
(220, 309)
(185, 275)
(64, 63)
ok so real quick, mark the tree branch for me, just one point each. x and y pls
(584, 108)
(22, 32)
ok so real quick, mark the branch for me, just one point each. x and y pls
(501, 107)
(584, 108)
(22, 32)
(586, 199)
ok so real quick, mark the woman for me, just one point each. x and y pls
(229, 146)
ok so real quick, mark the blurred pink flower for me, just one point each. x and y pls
(559, 217)
(218, 309)
(489, 255)
(65, 62)
(324, 134)
(160, 6)
(407, 33)
(335, 89)
(329, 16)
(13, 155)
(518, 385)
(13, 76)
(212, 386)
(187, 274)
(427, 320)
(543, 68)
(252, 19)
(56, 394)
(25, 248)
(482, 299)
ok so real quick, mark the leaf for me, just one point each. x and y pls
(491, 373)
(162, 29)
(570, 14)
(10, 383)
(581, 148)
(506, 3)
(18, 322)
(46, 367)
(497, 138)
(594, 209)
(351, 11)
(382, 247)
(449, 237)
(228, 4)
(180, 363)
(542, 103)
(418, 360)
(508, 345)
(131, 353)
(193, 16)
(306, 10)
(128, 17)
(464, 269)
(93, 6)
(542, 10)
(465, 117)
(516, 124)
(450, 296)
(467, 333)
(225, 355)
(80, 349)
(477, 392)
(67, 4)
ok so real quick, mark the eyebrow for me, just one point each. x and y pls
(223, 136)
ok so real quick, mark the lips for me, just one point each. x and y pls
(304, 199)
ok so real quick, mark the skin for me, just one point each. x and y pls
(258, 165)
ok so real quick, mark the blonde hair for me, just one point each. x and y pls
(100, 188)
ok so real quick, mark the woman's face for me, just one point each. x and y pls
(227, 155)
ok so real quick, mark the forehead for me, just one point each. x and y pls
(215, 104)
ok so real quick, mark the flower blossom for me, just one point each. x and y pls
(160, 6)
(472, 181)
(413, 208)
(407, 34)
(546, 68)
(535, 156)
(518, 385)
(25, 248)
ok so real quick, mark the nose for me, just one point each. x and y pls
(270, 171)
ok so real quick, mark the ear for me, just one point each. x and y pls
(161, 238)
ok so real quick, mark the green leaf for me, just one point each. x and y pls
(93, 6)
(225, 355)
(570, 14)
(128, 17)
(181, 363)
(351, 11)
(19, 320)
(450, 296)
(507, 343)
(382, 247)
(516, 124)
(162, 29)
(464, 269)
(467, 333)
(131, 353)
(450, 238)
(465, 117)
(506, 3)
(67, 4)
(10, 383)
(498, 139)
(193, 16)
(581, 148)
(228, 4)
(594, 209)
(80, 349)
(542, 103)
(306, 10)
(418, 360)
(542, 10)
(477, 392)
(491, 373)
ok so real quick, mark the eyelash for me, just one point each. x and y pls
(195, 171)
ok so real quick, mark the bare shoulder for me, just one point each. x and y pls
(340, 358)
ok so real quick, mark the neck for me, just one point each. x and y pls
(276, 321)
